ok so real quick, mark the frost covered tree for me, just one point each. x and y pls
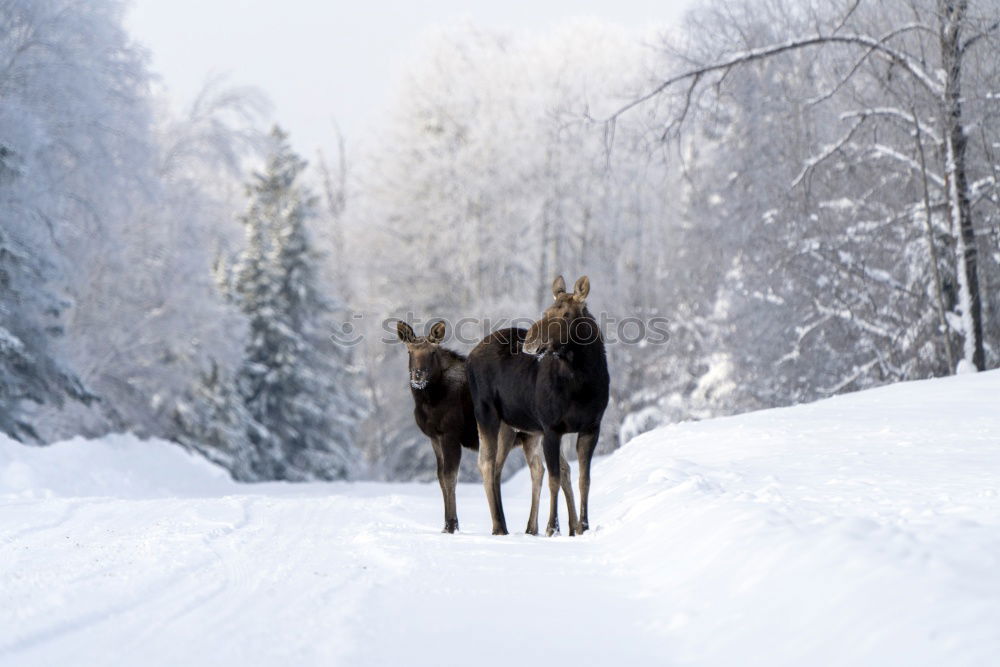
(788, 200)
(297, 402)
(491, 180)
(72, 87)
(819, 144)
(824, 216)
(213, 420)
(109, 207)
(30, 372)
(139, 342)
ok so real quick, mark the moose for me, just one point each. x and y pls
(549, 380)
(443, 411)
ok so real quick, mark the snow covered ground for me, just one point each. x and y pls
(860, 530)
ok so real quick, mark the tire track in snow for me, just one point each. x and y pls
(152, 593)
(72, 507)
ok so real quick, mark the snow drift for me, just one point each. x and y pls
(120, 466)
(864, 529)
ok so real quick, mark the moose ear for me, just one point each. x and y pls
(405, 332)
(582, 289)
(437, 332)
(558, 286)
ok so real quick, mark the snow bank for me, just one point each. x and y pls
(863, 529)
(120, 466)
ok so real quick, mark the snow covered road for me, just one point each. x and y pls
(860, 530)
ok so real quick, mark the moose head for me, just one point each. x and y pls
(425, 360)
(556, 328)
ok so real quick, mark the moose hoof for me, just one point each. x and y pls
(500, 531)
(531, 530)
(552, 530)
(582, 528)
(450, 527)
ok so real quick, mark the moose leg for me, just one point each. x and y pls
(442, 481)
(448, 461)
(487, 467)
(550, 447)
(506, 440)
(567, 487)
(533, 456)
(586, 443)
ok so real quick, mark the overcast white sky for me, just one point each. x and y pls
(320, 60)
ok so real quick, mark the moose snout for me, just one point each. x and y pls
(419, 378)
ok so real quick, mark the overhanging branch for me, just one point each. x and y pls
(874, 45)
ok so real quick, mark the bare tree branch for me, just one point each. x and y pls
(894, 112)
(975, 38)
(881, 150)
(823, 97)
(827, 152)
(847, 16)
(874, 45)
(679, 119)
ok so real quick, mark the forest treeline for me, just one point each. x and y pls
(807, 191)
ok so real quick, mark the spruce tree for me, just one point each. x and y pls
(213, 421)
(30, 371)
(294, 386)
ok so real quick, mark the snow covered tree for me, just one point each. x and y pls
(29, 319)
(139, 342)
(806, 233)
(72, 89)
(213, 420)
(298, 405)
(492, 168)
(109, 212)
(814, 144)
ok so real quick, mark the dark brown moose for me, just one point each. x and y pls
(549, 380)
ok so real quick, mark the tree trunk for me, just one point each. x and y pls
(952, 15)
(545, 277)
(932, 249)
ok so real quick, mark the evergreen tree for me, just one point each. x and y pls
(295, 390)
(30, 372)
(214, 422)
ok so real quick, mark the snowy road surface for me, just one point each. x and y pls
(859, 530)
